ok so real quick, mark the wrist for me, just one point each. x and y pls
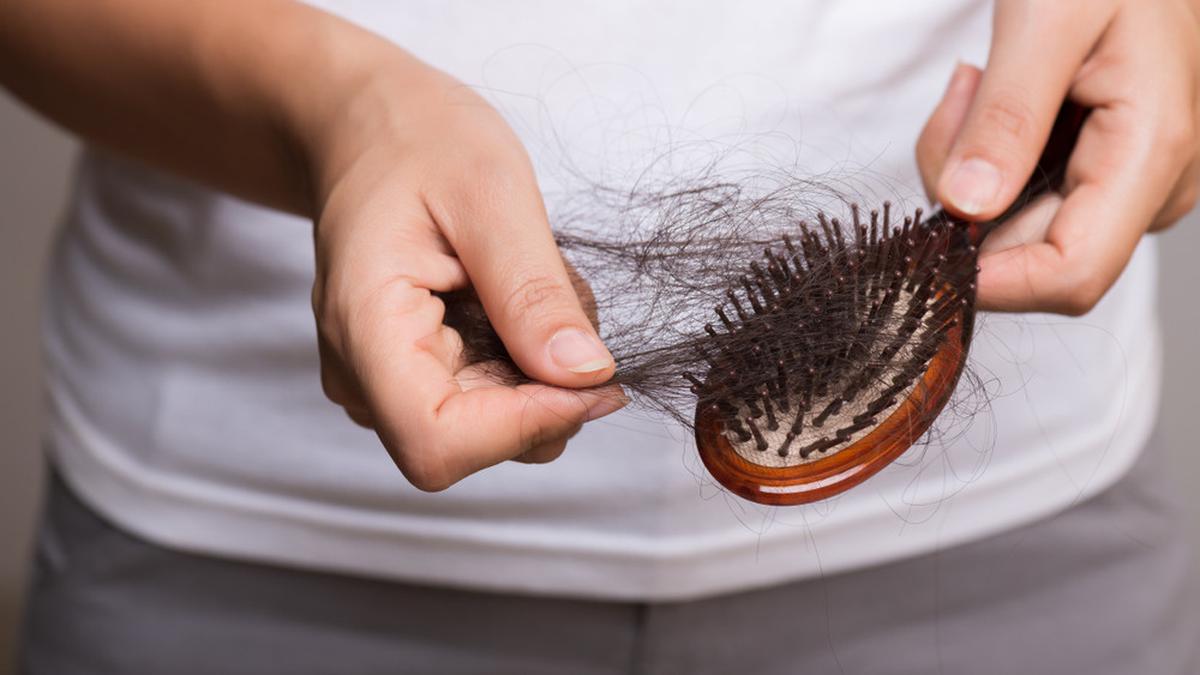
(350, 91)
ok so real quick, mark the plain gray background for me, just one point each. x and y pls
(34, 166)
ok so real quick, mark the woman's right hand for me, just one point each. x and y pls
(416, 184)
(422, 187)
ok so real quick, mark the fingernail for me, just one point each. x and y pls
(607, 405)
(578, 352)
(973, 186)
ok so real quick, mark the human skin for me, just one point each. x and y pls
(1135, 169)
(416, 185)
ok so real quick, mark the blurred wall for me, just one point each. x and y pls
(34, 162)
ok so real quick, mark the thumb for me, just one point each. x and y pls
(501, 234)
(1033, 60)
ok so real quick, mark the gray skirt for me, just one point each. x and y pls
(1102, 589)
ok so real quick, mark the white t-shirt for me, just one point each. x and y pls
(183, 368)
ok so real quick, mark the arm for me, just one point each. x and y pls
(416, 185)
(198, 88)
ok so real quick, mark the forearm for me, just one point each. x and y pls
(233, 93)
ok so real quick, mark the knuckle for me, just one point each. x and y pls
(547, 453)
(1008, 115)
(333, 375)
(1071, 306)
(329, 314)
(426, 476)
(1180, 205)
(360, 417)
(329, 386)
(397, 308)
(1177, 136)
(325, 312)
(317, 297)
(1081, 296)
(1188, 198)
(534, 293)
(539, 430)
(397, 294)
(1190, 192)
(420, 462)
(534, 436)
(430, 483)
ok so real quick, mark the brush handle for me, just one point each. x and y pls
(1048, 176)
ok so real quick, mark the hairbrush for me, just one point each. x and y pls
(832, 346)
(904, 292)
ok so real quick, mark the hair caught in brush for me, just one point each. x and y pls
(771, 297)
(813, 350)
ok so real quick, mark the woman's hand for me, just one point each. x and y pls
(1135, 169)
(422, 188)
(416, 184)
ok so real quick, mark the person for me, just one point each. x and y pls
(211, 511)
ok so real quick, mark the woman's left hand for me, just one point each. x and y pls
(1136, 167)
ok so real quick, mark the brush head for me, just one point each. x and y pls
(902, 298)
(828, 413)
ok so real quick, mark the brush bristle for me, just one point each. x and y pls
(890, 292)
